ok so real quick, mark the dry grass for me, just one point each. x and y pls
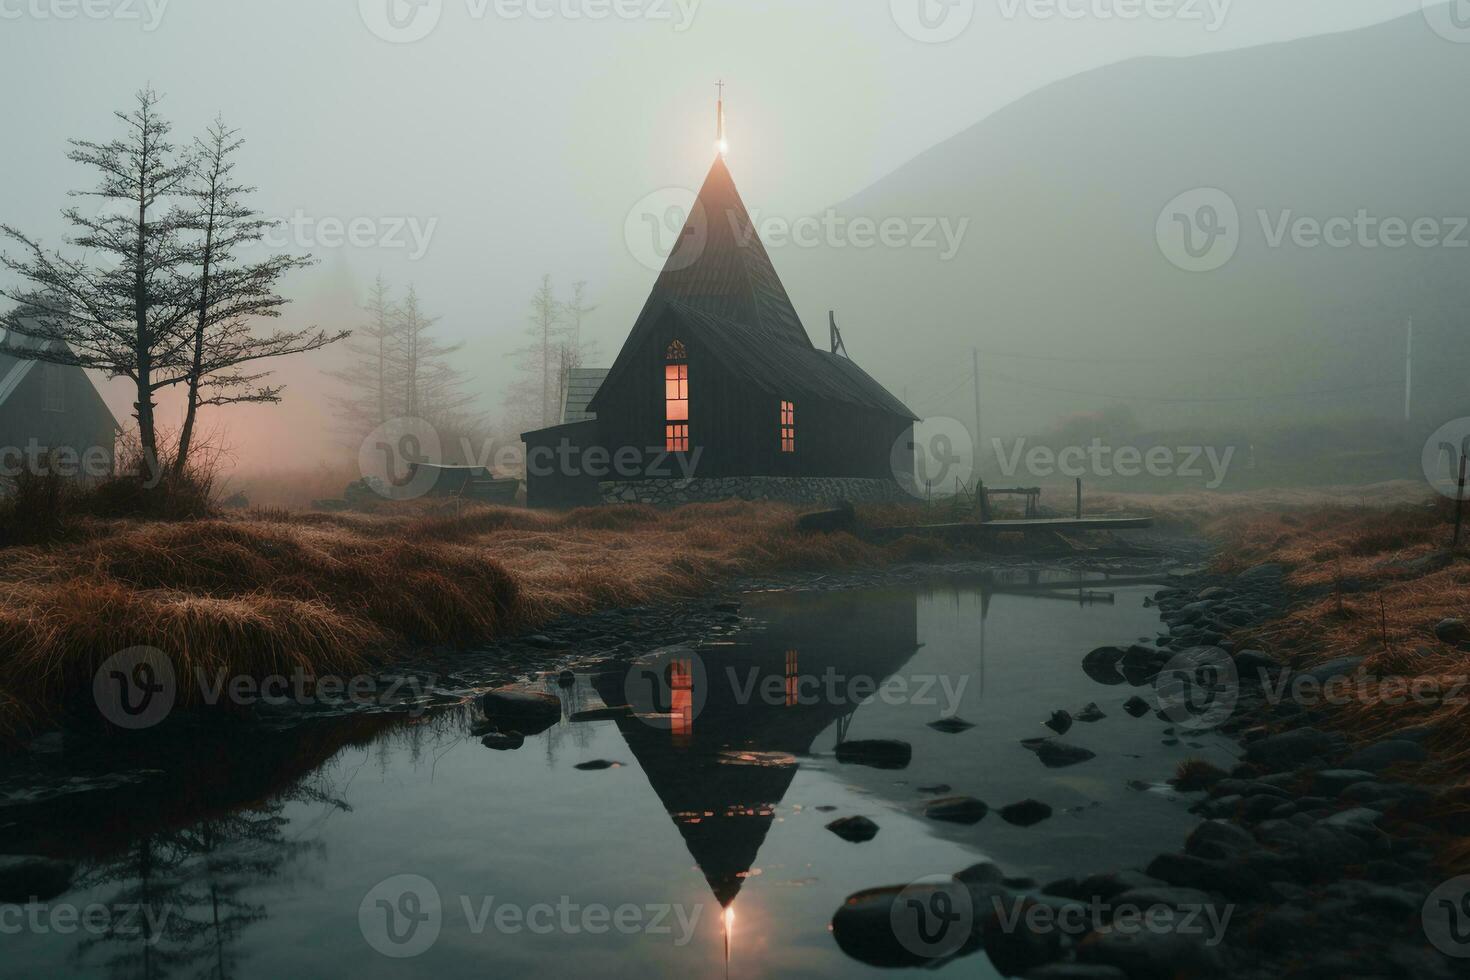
(271, 591)
(1375, 599)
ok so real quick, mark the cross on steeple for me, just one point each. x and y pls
(720, 143)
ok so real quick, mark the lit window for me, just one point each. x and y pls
(676, 399)
(676, 392)
(788, 427)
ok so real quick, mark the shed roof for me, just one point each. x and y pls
(582, 384)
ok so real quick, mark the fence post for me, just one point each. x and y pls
(1459, 503)
(1079, 498)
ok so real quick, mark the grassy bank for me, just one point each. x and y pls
(271, 591)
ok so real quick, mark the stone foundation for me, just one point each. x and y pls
(789, 489)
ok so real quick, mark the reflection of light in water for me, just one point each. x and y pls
(791, 678)
(729, 931)
(681, 684)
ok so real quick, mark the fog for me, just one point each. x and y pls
(518, 139)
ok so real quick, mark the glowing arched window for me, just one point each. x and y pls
(676, 399)
(788, 427)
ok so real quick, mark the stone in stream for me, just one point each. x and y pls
(503, 741)
(877, 927)
(935, 788)
(1091, 713)
(879, 753)
(1025, 813)
(566, 679)
(604, 713)
(1101, 665)
(956, 809)
(951, 725)
(596, 765)
(26, 877)
(855, 829)
(1055, 755)
(1059, 722)
(1137, 706)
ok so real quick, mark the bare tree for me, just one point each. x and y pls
(371, 378)
(574, 350)
(121, 310)
(229, 296)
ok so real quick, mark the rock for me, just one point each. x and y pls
(1025, 943)
(520, 702)
(1137, 706)
(503, 741)
(1102, 665)
(951, 725)
(863, 927)
(956, 809)
(1213, 592)
(1290, 748)
(27, 877)
(1340, 667)
(1331, 782)
(1381, 755)
(877, 753)
(935, 788)
(1055, 755)
(541, 641)
(1252, 664)
(1025, 813)
(1262, 574)
(1144, 954)
(1219, 839)
(1091, 713)
(1104, 887)
(854, 829)
(1059, 722)
(1453, 631)
(1356, 818)
(566, 679)
(597, 765)
(726, 607)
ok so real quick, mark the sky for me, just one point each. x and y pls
(475, 145)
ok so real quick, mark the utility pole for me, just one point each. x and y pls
(975, 368)
(1409, 373)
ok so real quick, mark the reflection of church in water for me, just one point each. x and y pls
(728, 754)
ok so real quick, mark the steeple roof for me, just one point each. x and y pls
(720, 266)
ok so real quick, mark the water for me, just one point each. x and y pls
(702, 853)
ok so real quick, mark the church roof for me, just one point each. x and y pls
(720, 282)
(720, 266)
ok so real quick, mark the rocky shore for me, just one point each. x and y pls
(1314, 857)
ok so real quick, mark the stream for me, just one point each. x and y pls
(696, 842)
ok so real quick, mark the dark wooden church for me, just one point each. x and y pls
(719, 392)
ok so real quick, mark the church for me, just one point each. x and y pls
(719, 393)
